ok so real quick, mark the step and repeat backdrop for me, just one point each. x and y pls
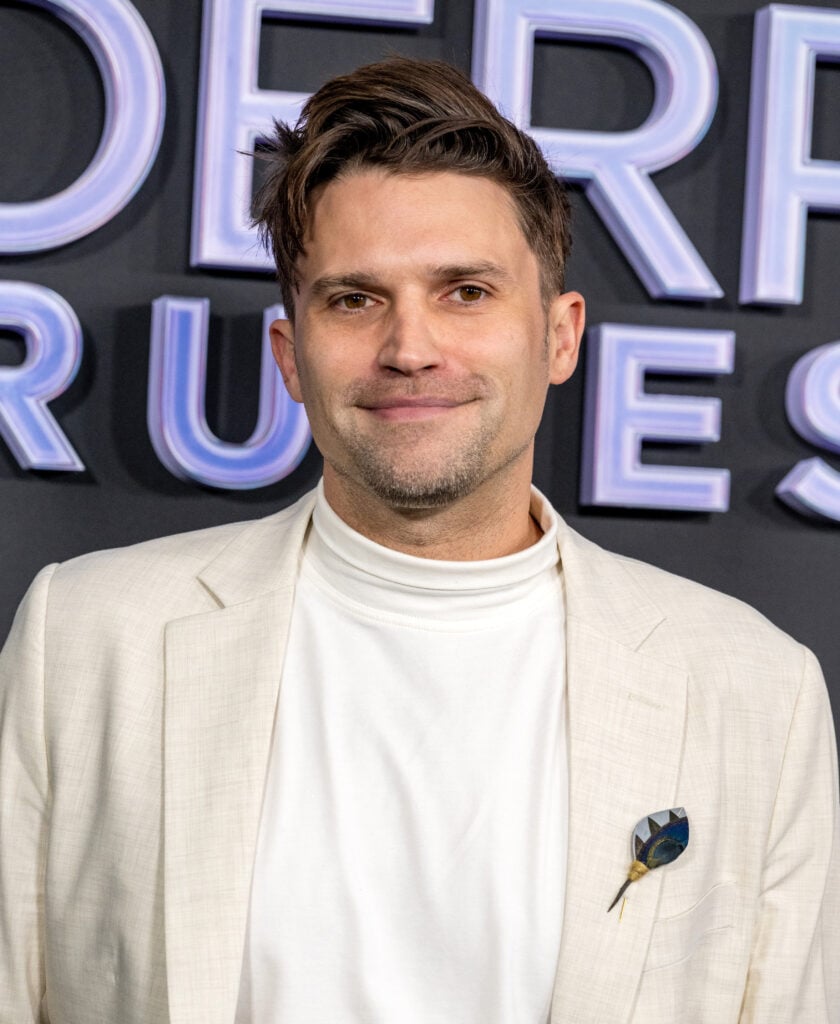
(701, 141)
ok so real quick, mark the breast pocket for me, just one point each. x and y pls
(676, 938)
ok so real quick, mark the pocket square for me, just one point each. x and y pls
(657, 839)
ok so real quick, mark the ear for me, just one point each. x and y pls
(566, 319)
(282, 333)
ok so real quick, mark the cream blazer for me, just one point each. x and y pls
(137, 694)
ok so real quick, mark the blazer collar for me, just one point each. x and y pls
(262, 558)
(626, 715)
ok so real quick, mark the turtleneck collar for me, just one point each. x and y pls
(391, 581)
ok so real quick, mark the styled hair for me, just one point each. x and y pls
(405, 116)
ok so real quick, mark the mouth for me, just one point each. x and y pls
(410, 409)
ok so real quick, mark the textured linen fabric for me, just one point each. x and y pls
(411, 858)
(137, 697)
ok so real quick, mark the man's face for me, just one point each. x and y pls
(422, 347)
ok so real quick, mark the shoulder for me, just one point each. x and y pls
(164, 576)
(689, 624)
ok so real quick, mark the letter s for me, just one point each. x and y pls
(812, 400)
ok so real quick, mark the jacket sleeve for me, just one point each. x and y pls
(794, 975)
(24, 811)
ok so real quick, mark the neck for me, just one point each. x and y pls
(488, 523)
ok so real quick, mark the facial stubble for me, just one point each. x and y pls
(456, 475)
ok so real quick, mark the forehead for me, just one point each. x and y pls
(389, 215)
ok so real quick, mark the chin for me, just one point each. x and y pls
(423, 479)
(420, 490)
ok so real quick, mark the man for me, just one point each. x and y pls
(379, 757)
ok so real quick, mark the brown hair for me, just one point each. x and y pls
(406, 116)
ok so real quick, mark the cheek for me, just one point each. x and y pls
(313, 372)
(532, 389)
(327, 361)
(323, 385)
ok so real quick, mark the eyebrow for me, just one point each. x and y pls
(481, 268)
(365, 281)
(343, 282)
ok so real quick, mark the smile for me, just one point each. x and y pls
(412, 409)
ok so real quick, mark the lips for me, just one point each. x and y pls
(413, 402)
(404, 401)
(407, 409)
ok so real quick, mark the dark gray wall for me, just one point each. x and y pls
(51, 111)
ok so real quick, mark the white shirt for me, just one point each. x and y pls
(411, 859)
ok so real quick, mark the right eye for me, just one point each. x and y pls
(353, 301)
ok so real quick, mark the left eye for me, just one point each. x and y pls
(355, 301)
(469, 293)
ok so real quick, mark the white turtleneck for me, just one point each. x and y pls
(411, 858)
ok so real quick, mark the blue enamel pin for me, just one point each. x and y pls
(657, 839)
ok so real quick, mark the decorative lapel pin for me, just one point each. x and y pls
(657, 839)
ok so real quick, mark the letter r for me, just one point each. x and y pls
(615, 167)
(53, 338)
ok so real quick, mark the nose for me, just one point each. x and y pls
(409, 346)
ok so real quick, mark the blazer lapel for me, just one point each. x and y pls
(223, 671)
(626, 723)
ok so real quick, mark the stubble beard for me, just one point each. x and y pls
(458, 474)
(400, 479)
(422, 488)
